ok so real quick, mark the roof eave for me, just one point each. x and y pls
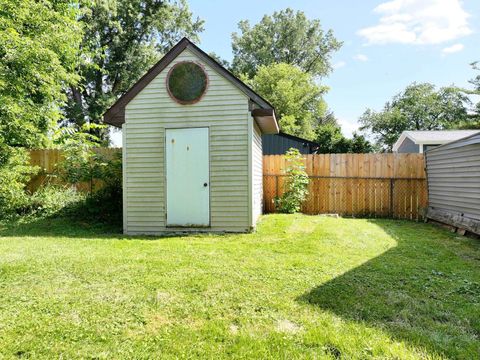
(266, 121)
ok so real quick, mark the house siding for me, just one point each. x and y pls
(224, 109)
(408, 146)
(278, 144)
(453, 172)
(257, 171)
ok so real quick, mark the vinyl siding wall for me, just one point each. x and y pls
(408, 146)
(257, 173)
(453, 172)
(224, 109)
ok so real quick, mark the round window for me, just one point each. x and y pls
(186, 82)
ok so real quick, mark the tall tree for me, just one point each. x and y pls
(418, 107)
(475, 114)
(122, 39)
(285, 37)
(297, 99)
(38, 52)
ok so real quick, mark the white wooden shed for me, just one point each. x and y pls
(192, 147)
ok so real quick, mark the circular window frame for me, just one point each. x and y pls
(186, 102)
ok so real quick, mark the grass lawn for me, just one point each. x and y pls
(301, 287)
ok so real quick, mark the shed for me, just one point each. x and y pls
(278, 144)
(419, 141)
(192, 147)
(453, 174)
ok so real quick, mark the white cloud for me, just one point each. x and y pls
(452, 49)
(418, 22)
(361, 57)
(339, 64)
(349, 126)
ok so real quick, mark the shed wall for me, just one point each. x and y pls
(224, 109)
(453, 172)
(257, 171)
(276, 144)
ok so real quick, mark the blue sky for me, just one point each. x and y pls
(387, 44)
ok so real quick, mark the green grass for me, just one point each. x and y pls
(301, 287)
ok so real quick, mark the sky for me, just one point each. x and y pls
(387, 44)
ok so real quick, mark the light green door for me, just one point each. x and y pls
(188, 177)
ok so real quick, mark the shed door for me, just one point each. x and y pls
(188, 177)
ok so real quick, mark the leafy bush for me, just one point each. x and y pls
(52, 200)
(296, 184)
(83, 162)
(15, 173)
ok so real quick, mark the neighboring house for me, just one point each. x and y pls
(278, 144)
(192, 147)
(453, 172)
(421, 141)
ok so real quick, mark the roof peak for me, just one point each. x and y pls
(115, 115)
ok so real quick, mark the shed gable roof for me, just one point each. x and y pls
(115, 115)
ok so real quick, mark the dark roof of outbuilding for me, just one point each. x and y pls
(115, 115)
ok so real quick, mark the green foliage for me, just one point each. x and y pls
(15, 172)
(418, 107)
(51, 200)
(474, 117)
(284, 37)
(122, 40)
(297, 98)
(38, 53)
(84, 162)
(80, 162)
(296, 183)
(331, 141)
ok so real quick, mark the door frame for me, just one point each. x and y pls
(165, 191)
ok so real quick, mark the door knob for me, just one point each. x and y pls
(205, 184)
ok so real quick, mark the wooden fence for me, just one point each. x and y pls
(364, 185)
(367, 185)
(48, 159)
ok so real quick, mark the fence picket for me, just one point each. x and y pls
(377, 185)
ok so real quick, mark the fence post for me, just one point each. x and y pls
(391, 197)
(276, 186)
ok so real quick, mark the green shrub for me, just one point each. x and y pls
(83, 163)
(296, 184)
(52, 200)
(15, 173)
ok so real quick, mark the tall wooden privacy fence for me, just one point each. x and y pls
(364, 185)
(48, 159)
(373, 185)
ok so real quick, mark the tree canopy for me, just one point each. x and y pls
(122, 40)
(284, 37)
(297, 99)
(332, 141)
(38, 54)
(418, 107)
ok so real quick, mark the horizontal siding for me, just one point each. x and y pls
(224, 109)
(453, 172)
(257, 173)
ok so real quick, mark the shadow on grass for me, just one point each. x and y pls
(425, 291)
(59, 226)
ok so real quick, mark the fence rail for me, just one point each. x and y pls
(364, 185)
